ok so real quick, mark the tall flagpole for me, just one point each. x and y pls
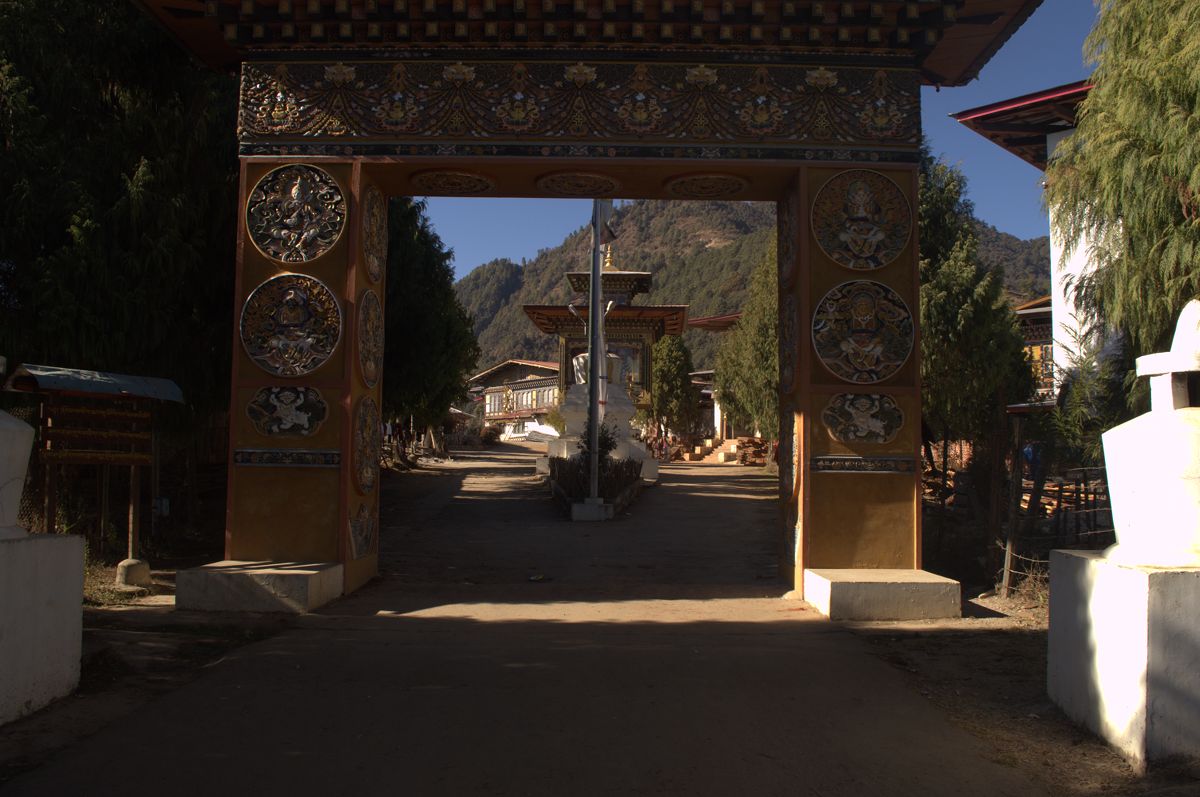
(597, 357)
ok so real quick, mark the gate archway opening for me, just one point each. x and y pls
(814, 106)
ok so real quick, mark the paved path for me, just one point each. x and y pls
(650, 656)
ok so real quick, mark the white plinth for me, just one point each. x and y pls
(41, 621)
(588, 510)
(869, 594)
(231, 586)
(1124, 646)
(541, 466)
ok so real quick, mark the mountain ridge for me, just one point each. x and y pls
(700, 254)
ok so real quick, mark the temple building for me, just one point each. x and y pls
(517, 395)
(1031, 127)
(630, 330)
(1036, 321)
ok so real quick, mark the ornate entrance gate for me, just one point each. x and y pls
(812, 105)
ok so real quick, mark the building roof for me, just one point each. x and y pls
(627, 282)
(31, 378)
(715, 323)
(1034, 305)
(950, 40)
(549, 366)
(1021, 124)
(527, 382)
(555, 319)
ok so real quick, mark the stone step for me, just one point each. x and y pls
(233, 586)
(881, 594)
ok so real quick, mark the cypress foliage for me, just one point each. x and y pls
(675, 400)
(118, 172)
(972, 354)
(747, 362)
(430, 348)
(1128, 179)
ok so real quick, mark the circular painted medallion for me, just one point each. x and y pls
(290, 325)
(706, 186)
(364, 531)
(451, 183)
(578, 184)
(295, 213)
(862, 331)
(863, 418)
(375, 233)
(287, 411)
(861, 220)
(366, 444)
(370, 337)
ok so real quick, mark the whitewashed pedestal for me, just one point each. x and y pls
(1125, 623)
(41, 594)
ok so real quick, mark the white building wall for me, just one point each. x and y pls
(1063, 273)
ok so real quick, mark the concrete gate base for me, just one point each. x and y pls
(231, 586)
(867, 594)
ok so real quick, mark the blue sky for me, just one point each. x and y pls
(1046, 52)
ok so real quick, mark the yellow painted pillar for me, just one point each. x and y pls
(850, 368)
(307, 367)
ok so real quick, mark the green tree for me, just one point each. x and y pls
(747, 363)
(1128, 179)
(972, 355)
(675, 401)
(118, 172)
(430, 347)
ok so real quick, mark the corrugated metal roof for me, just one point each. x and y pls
(53, 379)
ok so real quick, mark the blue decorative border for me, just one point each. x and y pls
(863, 464)
(288, 457)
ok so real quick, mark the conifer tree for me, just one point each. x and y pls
(430, 349)
(747, 367)
(675, 401)
(1128, 179)
(972, 354)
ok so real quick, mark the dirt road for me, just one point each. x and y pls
(508, 651)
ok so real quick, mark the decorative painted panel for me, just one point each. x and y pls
(370, 337)
(789, 345)
(295, 213)
(287, 411)
(375, 233)
(364, 531)
(861, 220)
(438, 107)
(291, 325)
(366, 444)
(862, 331)
(862, 418)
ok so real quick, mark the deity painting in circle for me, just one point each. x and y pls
(370, 337)
(364, 531)
(375, 233)
(295, 213)
(366, 444)
(863, 418)
(290, 325)
(861, 220)
(862, 331)
(287, 411)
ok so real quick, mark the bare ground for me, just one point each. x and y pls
(483, 521)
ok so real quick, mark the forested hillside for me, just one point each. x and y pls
(701, 254)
